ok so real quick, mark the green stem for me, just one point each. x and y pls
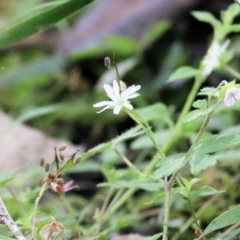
(177, 129)
(233, 72)
(202, 129)
(43, 188)
(193, 212)
(145, 126)
(72, 211)
(168, 188)
(67, 205)
(128, 163)
(122, 200)
(103, 210)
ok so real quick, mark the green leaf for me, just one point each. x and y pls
(233, 28)
(39, 21)
(131, 133)
(228, 15)
(41, 67)
(196, 114)
(208, 191)
(6, 177)
(183, 73)
(207, 91)
(154, 237)
(214, 143)
(155, 32)
(117, 45)
(145, 142)
(6, 238)
(207, 18)
(200, 104)
(170, 165)
(227, 218)
(199, 162)
(157, 111)
(141, 184)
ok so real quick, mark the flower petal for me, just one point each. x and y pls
(107, 107)
(116, 89)
(109, 90)
(54, 186)
(129, 92)
(103, 103)
(117, 109)
(128, 105)
(236, 93)
(228, 100)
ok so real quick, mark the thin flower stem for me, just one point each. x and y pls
(104, 209)
(202, 129)
(177, 129)
(168, 188)
(116, 197)
(145, 126)
(67, 205)
(6, 218)
(233, 72)
(72, 212)
(192, 211)
(122, 200)
(128, 163)
(43, 188)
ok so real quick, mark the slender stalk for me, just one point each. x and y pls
(72, 212)
(233, 72)
(104, 209)
(202, 129)
(168, 188)
(177, 129)
(43, 188)
(192, 211)
(128, 163)
(6, 218)
(145, 126)
(67, 205)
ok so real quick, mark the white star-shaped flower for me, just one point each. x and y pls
(119, 98)
(212, 60)
(231, 95)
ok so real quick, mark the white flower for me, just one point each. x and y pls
(212, 60)
(231, 95)
(119, 99)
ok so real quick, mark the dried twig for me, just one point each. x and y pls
(5, 218)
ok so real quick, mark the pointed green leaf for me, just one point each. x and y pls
(131, 133)
(208, 191)
(39, 21)
(157, 111)
(141, 184)
(154, 237)
(201, 104)
(170, 165)
(229, 217)
(6, 177)
(216, 143)
(183, 73)
(228, 15)
(207, 18)
(199, 162)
